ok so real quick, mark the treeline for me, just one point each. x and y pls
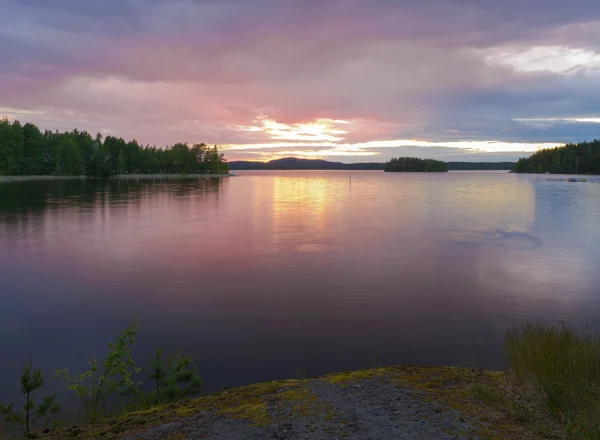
(25, 150)
(480, 166)
(293, 163)
(582, 158)
(413, 164)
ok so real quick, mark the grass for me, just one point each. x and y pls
(483, 396)
(559, 367)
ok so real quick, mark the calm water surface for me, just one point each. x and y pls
(267, 273)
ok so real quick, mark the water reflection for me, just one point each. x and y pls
(59, 209)
(259, 274)
(302, 209)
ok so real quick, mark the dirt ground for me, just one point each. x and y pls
(386, 403)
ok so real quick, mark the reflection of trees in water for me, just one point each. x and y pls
(19, 199)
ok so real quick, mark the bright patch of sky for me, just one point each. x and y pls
(555, 59)
(319, 130)
(321, 139)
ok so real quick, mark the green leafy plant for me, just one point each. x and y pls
(102, 380)
(29, 417)
(174, 379)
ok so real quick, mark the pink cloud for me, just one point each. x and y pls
(199, 70)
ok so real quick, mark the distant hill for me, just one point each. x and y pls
(294, 163)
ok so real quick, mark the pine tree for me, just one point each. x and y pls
(30, 415)
(158, 373)
(175, 379)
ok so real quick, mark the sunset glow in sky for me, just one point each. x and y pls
(346, 80)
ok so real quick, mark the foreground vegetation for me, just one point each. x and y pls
(26, 151)
(413, 164)
(550, 389)
(112, 381)
(582, 158)
(560, 368)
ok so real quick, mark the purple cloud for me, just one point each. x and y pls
(200, 71)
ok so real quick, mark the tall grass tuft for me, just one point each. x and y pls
(561, 367)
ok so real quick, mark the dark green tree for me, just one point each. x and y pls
(466, 166)
(582, 158)
(158, 373)
(215, 161)
(24, 150)
(183, 379)
(8, 160)
(33, 150)
(174, 379)
(413, 164)
(68, 157)
(30, 415)
(121, 167)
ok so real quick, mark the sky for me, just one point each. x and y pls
(344, 80)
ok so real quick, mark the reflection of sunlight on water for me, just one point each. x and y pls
(300, 210)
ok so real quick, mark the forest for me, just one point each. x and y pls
(581, 158)
(413, 164)
(26, 150)
(480, 166)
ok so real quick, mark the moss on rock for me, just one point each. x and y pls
(483, 397)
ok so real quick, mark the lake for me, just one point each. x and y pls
(270, 273)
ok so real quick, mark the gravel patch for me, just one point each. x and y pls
(368, 409)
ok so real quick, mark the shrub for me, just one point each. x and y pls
(113, 376)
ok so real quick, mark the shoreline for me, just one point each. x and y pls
(8, 179)
(393, 402)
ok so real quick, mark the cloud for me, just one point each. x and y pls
(375, 154)
(264, 71)
(555, 59)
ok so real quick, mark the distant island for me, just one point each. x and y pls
(415, 165)
(26, 151)
(581, 158)
(293, 163)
